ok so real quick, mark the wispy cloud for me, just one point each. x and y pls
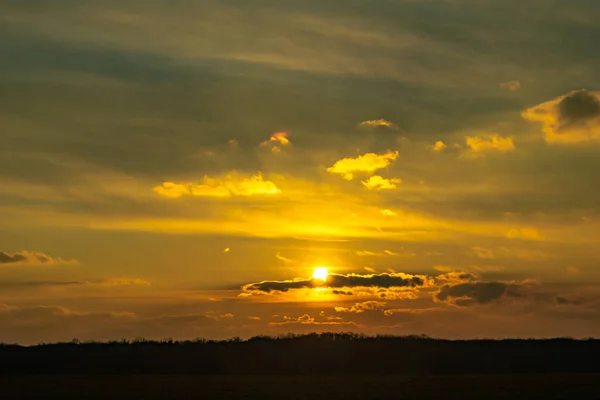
(228, 186)
(32, 258)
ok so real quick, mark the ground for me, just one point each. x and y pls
(547, 387)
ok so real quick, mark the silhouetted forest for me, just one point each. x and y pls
(327, 353)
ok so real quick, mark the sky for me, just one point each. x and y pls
(179, 169)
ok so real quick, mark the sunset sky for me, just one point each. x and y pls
(180, 168)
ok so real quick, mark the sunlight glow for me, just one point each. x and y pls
(320, 273)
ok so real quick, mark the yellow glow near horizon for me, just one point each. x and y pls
(320, 273)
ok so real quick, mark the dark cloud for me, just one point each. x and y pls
(561, 300)
(341, 281)
(6, 258)
(578, 106)
(466, 294)
(27, 257)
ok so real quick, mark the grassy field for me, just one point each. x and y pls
(547, 387)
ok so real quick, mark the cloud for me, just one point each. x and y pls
(217, 187)
(384, 253)
(378, 123)
(379, 183)
(439, 146)
(337, 281)
(512, 86)
(525, 234)
(388, 213)
(368, 162)
(362, 307)
(108, 283)
(277, 140)
(308, 320)
(391, 311)
(466, 294)
(31, 258)
(478, 145)
(283, 259)
(572, 118)
(457, 276)
(124, 282)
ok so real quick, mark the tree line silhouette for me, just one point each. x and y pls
(325, 353)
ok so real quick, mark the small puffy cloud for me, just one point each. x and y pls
(439, 146)
(524, 234)
(277, 140)
(388, 213)
(254, 318)
(362, 307)
(513, 86)
(471, 293)
(226, 250)
(379, 183)
(282, 138)
(572, 118)
(219, 187)
(378, 123)
(478, 145)
(369, 162)
(31, 258)
(337, 281)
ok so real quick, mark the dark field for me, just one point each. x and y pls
(495, 386)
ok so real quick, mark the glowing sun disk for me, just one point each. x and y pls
(320, 273)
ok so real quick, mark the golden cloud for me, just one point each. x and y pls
(525, 234)
(378, 122)
(368, 162)
(439, 146)
(277, 140)
(493, 142)
(388, 213)
(572, 118)
(379, 183)
(217, 187)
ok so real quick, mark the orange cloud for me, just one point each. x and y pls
(368, 162)
(277, 140)
(572, 118)
(217, 187)
(362, 307)
(308, 320)
(379, 183)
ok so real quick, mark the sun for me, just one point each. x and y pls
(320, 273)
